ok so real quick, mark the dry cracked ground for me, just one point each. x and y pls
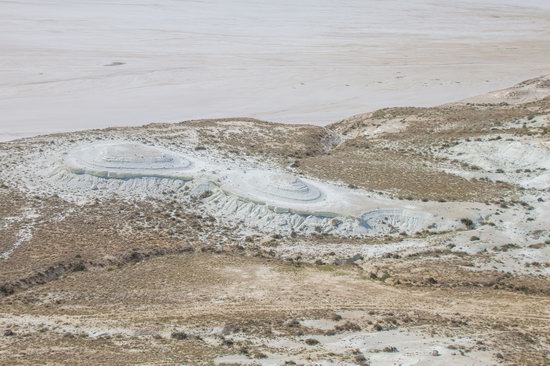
(150, 281)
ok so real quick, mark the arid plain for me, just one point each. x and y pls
(402, 236)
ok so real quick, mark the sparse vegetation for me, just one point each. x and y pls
(468, 223)
(180, 336)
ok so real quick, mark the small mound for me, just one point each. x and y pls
(394, 219)
(505, 154)
(282, 191)
(127, 160)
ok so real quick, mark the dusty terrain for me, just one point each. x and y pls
(415, 236)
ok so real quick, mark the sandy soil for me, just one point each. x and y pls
(202, 242)
(71, 65)
(249, 311)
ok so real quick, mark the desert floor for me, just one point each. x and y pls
(413, 236)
